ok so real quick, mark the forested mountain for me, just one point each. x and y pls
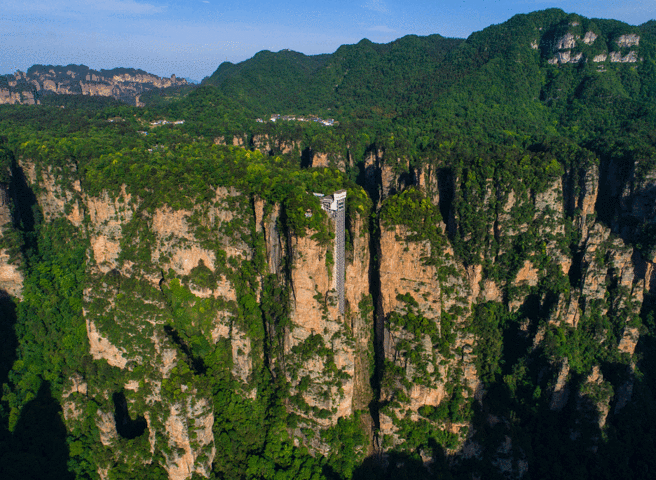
(168, 295)
(356, 78)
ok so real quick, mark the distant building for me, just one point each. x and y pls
(329, 122)
(166, 122)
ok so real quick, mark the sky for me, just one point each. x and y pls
(191, 38)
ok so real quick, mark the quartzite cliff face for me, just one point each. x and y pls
(122, 84)
(426, 303)
(135, 295)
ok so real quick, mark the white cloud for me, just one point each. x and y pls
(376, 5)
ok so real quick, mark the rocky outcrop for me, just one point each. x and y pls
(107, 428)
(418, 309)
(191, 420)
(11, 97)
(628, 40)
(319, 349)
(101, 348)
(566, 49)
(590, 37)
(594, 398)
(566, 57)
(617, 57)
(589, 191)
(565, 42)
(527, 275)
(122, 84)
(11, 278)
(562, 47)
(560, 393)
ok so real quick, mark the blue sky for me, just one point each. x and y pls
(191, 38)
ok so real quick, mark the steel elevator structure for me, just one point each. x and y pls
(335, 206)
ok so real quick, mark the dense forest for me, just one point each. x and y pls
(167, 300)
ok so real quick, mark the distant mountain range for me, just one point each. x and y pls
(125, 84)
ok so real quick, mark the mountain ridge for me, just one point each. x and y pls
(124, 84)
(450, 63)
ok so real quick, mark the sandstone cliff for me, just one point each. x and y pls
(326, 353)
(132, 299)
(561, 289)
(573, 42)
(428, 353)
(169, 286)
(122, 84)
(145, 299)
(11, 277)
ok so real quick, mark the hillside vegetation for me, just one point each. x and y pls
(167, 301)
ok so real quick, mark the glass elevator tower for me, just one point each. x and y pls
(335, 205)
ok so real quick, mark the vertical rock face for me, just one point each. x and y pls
(359, 309)
(589, 191)
(105, 228)
(56, 200)
(319, 351)
(406, 283)
(191, 419)
(325, 351)
(158, 275)
(561, 390)
(27, 88)
(604, 278)
(130, 324)
(11, 278)
(629, 40)
(5, 205)
(138, 301)
(423, 309)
